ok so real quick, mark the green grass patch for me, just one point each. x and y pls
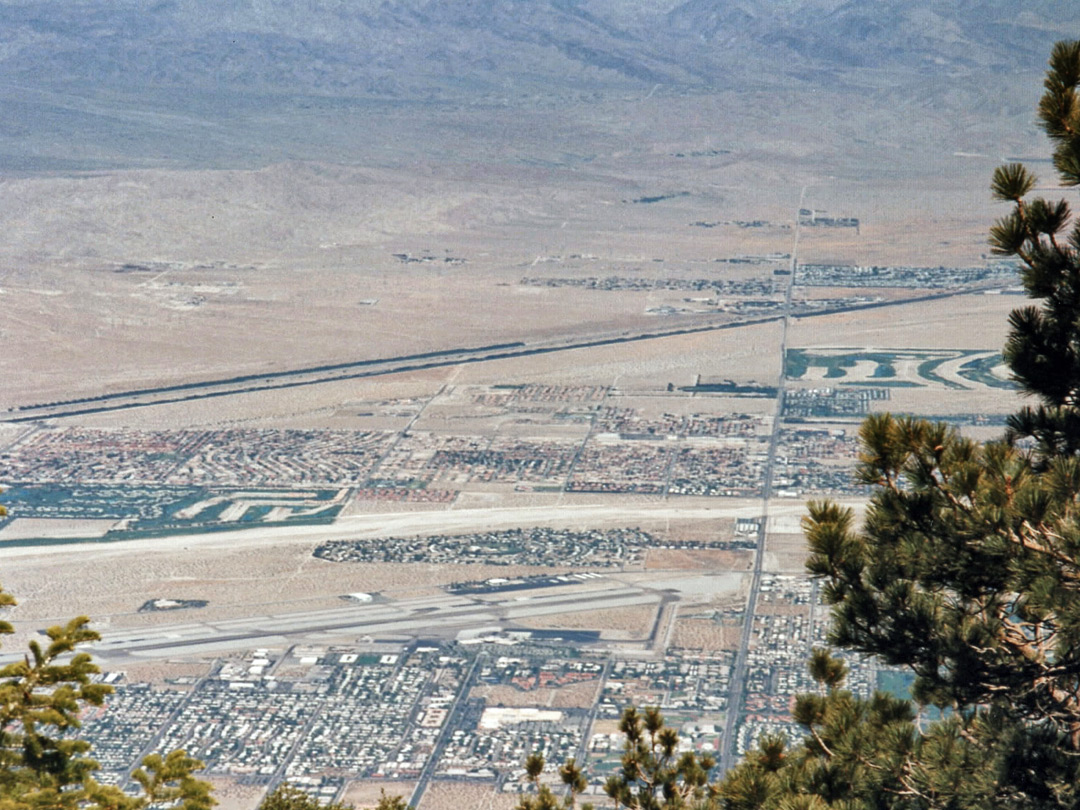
(927, 372)
(883, 370)
(796, 364)
(980, 370)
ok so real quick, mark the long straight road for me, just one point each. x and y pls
(448, 725)
(738, 671)
(361, 369)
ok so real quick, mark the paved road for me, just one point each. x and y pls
(407, 524)
(292, 378)
(738, 670)
(449, 724)
(142, 398)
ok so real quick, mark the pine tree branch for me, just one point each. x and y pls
(817, 738)
(1028, 538)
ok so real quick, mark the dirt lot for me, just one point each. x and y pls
(231, 795)
(458, 795)
(705, 634)
(694, 560)
(623, 623)
(572, 696)
(366, 793)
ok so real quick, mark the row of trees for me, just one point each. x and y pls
(966, 571)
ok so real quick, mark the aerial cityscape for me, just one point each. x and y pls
(402, 403)
(515, 561)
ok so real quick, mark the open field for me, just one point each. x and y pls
(618, 623)
(365, 794)
(456, 795)
(969, 322)
(705, 634)
(573, 696)
(196, 266)
(675, 559)
(19, 529)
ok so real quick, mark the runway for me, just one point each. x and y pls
(425, 616)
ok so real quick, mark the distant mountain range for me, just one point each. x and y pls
(426, 48)
(133, 73)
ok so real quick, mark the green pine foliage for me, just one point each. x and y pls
(572, 777)
(288, 797)
(43, 763)
(873, 753)
(654, 775)
(1043, 348)
(966, 570)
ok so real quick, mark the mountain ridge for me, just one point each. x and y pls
(189, 82)
(320, 46)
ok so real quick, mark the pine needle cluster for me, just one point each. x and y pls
(966, 570)
(44, 765)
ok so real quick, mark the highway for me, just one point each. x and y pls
(738, 670)
(272, 381)
(317, 375)
(405, 524)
